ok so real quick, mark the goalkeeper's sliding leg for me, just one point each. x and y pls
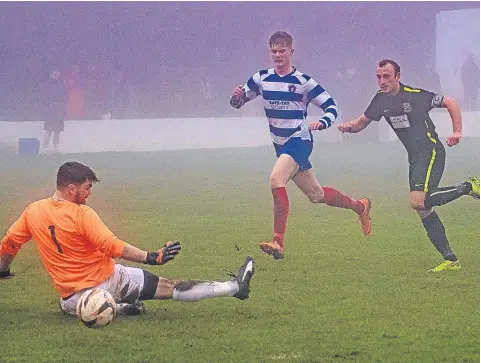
(130, 286)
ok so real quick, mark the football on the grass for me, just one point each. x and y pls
(96, 308)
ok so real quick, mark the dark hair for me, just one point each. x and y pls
(385, 62)
(280, 38)
(74, 173)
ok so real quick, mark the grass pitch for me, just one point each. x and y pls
(336, 297)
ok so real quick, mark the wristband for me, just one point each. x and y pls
(237, 102)
(151, 258)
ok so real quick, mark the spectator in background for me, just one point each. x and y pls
(76, 95)
(28, 96)
(54, 99)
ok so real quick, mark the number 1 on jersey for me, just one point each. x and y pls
(54, 238)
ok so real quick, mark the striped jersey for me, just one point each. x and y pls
(285, 102)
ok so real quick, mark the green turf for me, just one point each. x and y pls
(336, 297)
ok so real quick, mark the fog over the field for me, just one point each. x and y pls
(182, 59)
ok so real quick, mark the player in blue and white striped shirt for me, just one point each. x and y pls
(287, 94)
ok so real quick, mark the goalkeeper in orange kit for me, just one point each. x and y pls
(78, 251)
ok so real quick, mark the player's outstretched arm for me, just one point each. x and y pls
(245, 93)
(17, 235)
(354, 126)
(162, 256)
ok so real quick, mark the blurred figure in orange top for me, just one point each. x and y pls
(76, 94)
(78, 249)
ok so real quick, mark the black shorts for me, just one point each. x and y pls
(426, 169)
(53, 125)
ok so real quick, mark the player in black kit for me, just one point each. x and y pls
(406, 109)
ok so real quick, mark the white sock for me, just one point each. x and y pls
(198, 290)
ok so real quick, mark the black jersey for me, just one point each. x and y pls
(407, 112)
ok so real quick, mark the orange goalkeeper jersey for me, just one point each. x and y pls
(76, 247)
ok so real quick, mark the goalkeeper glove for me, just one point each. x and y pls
(163, 255)
(6, 274)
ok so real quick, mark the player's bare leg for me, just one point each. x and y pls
(284, 169)
(306, 181)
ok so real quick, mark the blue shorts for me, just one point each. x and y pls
(298, 149)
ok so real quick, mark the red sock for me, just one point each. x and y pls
(281, 210)
(335, 198)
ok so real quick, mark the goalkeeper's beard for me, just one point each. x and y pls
(78, 199)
